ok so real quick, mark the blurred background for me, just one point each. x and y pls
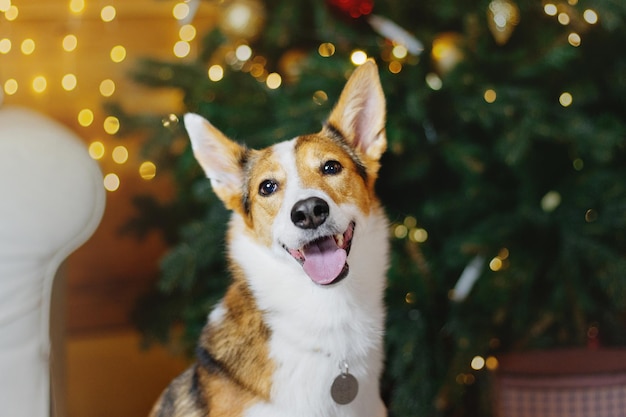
(504, 182)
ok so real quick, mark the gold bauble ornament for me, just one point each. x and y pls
(502, 17)
(447, 51)
(242, 19)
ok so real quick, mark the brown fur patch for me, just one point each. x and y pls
(349, 186)
(239, 343)
(263, 209)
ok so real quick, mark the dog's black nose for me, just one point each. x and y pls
(309, 213)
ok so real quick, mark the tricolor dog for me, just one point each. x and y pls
(299, 332)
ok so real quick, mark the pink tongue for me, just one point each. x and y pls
(324, 261)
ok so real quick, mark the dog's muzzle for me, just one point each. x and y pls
(324, 259)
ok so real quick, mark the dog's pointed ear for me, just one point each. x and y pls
(221, 158)
(360, 112)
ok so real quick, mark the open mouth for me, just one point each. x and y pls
(325, 259)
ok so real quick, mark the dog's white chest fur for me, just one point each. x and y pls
(315, 329)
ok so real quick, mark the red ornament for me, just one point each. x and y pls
(354, 8)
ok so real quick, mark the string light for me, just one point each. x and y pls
(96, 150)
(28, 46)
(111, 182)
(187, 33)
(273, 81)
(326, 49)
(590, 16)
(107, 88)
(433, 81)
(10, 87)
(563, 19)
(147, 170)
(478, 363)
(69, 82)
(574, 39)
(491, 363)
(107, 14)
(4, 5)
(180, 11)
(5, 46)
(395, 67)
(70, 42)
(490, 96)
(399, 51)
(243, 52)
(85, 117)
(118, 53)
(111, 125)
(566, 99)
(120, 154)
(77, 6)
(181, 49)
(40, 84)
(12, 13)
(550, 9)
(216, 73)
(358, 57)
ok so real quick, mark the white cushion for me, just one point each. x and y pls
(51, 201)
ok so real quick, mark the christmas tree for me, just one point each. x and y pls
(505, 178)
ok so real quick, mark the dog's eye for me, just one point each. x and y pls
(331, 168)
(268, 187)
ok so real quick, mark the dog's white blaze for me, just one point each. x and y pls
(314, 328)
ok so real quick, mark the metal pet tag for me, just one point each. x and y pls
(345, 387)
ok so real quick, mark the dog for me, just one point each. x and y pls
(299, 332)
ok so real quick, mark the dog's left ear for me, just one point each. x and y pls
(360, 112)
(220, 157)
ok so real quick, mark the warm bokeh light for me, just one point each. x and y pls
(550, 9)
(326, 49)
(4, 5)
(180, 11)
(69, 82)
(77, 6)
(563, 19)
(320, 97)
(273, 81)
(28, 46)
(187, 33)
(107, 88)
(478, 363)
(96, 150)
(118, 53)
(590, 16)
(358, 57)
(40, 84)
(418, 235)
(147, 170)
(491, 363)
(85, 117)
(574, 39)
(5, 46)
(433, 81)
(181, 49)
(70, 42)
(243, 52)
(495, 264)
(120, 154)
(395, 67)
(216, 72)
(12, 13)
(111, 125)
(107, 14)
(490, 96)
(111, 182)
(10, 87)
(400, 231)
(399, 51)
(566, 99)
